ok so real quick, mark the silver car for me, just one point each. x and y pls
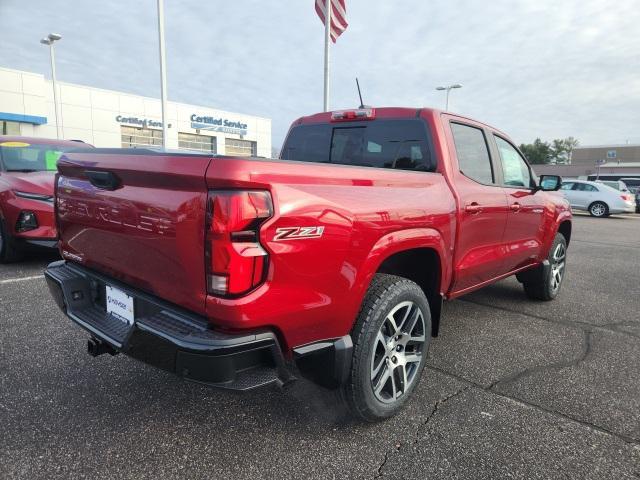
(597, 198)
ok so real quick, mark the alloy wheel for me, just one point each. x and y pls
(557, 266)
(397, 352)
(598, 209)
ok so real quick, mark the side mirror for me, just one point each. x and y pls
(550, 183)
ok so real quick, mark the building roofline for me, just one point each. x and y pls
(131, 94)
(621, 145)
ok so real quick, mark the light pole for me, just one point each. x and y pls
(448, 89)
(163, 74)
(48, 40)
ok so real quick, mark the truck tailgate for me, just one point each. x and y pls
(138, 217)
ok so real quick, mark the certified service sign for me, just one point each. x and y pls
(213, 124)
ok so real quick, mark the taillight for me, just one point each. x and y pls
(626, 198)
(350, 115)
(236, 262)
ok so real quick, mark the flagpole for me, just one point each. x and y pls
(327, 38)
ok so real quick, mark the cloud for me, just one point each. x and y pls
(531, 68)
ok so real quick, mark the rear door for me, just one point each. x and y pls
(523, 237)
(482, 214)
(583, 194)
(137, 217)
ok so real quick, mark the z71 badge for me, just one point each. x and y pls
(298, 233)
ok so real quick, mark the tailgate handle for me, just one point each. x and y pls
(103, 180)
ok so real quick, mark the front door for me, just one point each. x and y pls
(567, 191)
(524, 235)
(583, 195)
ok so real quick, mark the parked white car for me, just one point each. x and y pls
(597, 198)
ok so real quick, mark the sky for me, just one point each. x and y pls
(532, 68)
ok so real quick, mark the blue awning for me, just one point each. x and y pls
(16, 117)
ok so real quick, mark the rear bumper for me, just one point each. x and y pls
(165, 336)
(626, 208)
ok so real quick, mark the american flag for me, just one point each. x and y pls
(338, 16)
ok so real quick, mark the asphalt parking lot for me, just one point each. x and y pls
(513, 389)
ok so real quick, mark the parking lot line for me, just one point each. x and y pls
(20, 279)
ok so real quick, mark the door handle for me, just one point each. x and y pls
(473, 207)
(103, 180)
(515, 207)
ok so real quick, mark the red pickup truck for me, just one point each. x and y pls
(331, 262)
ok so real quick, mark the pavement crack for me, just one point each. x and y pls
(384, 462)
(420, 425)
(437, 406)
(608, 327)
(586, 349)
(625, 438)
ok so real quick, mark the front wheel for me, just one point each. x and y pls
(599, 209)
(391, 339)
(547, 285)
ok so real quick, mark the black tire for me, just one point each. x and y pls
(599, 209)
(546, 285)
(9, 250)
(387, 294)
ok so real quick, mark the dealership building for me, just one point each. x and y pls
(106, 118)
(602, 161)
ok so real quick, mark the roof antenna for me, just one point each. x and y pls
(359, 94)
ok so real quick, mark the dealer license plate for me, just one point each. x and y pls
(120, 305)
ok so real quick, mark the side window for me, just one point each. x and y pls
(473, 153)
(515, 170)
(567, 186)
(585, 187)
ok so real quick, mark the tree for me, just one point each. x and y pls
(562, 148)
(538, 152)
(557, 152)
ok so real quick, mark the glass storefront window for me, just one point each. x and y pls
(9, 128)
(140, 137)
(201, 143)
(240, 148)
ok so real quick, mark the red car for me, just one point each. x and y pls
(27, 170)
(331, 262)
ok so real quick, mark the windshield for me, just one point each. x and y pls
(27, 157)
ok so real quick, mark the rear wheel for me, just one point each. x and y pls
(391, 340)
(547, 286)
(9, 251)
(599, 209)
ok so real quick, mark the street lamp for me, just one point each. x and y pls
(448, 89)
(48, 40)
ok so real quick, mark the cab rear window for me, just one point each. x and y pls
(399, 144)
